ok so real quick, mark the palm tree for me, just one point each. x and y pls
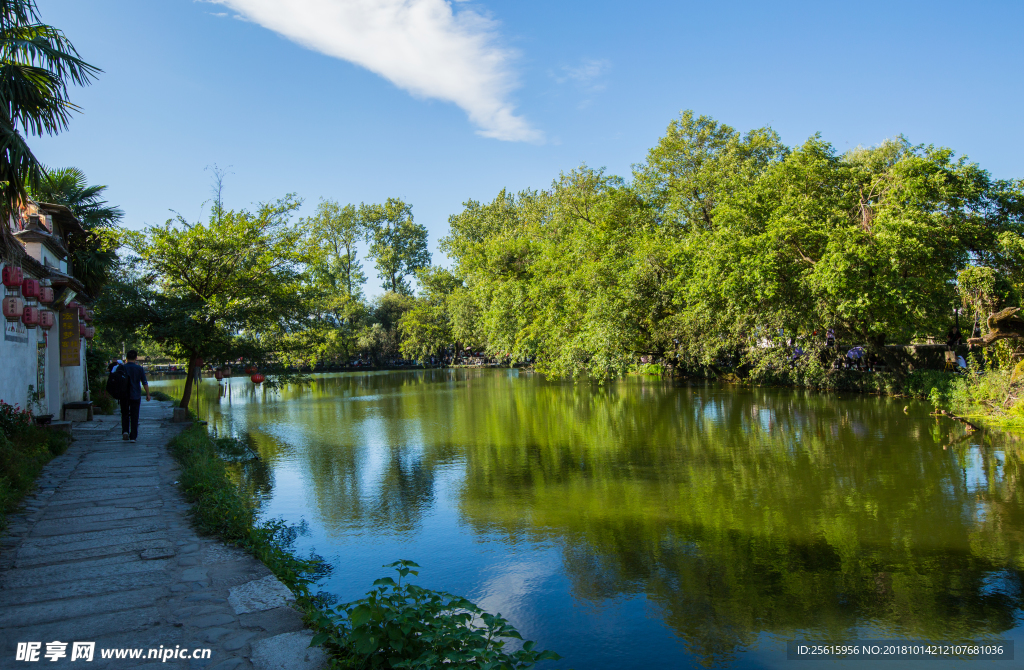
(37, 65)
(93, 256)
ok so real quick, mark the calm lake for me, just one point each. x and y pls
(646, 523)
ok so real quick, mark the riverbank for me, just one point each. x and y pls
(104, 552)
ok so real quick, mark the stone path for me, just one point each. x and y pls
(103, 552)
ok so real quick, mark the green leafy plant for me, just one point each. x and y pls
(13, 418)
(401, 625)
(35, 401)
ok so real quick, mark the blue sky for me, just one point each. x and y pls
(438, 102)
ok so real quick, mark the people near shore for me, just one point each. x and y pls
(856, 357)
(953, 338)
(130, 405)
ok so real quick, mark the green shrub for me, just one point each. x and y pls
(160, 395)
(405, 626)
(13, 418)
(104, 403)
(219, 509)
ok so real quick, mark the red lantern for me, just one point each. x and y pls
(257, 378)
(81, 330)
(89, 315)
(46, 295)
(218, 375)
(89, 333)
(81, 313)
(72, 306)
(46, 319)
(251, 370)
(30, 316)
(13, 308)
(30, 288)
(227, 370)
(12, 276)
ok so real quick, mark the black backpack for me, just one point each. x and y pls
(118, 383)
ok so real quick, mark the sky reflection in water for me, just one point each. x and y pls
(646, 523)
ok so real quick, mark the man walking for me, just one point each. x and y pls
(130, 405)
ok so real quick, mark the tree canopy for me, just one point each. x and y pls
(38, 65)
(221, 290)
(398, 245)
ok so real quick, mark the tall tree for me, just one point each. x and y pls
(222, 289)
(333, 290)
(426, 328)
(92, 257)
(37, 66)
(398, 245)
(332, 234)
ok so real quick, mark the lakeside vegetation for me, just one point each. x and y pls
(727, 255)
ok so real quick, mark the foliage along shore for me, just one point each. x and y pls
(724, 251)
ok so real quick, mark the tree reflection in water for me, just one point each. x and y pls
(734, 511)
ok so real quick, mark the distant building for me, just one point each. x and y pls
(53, 362)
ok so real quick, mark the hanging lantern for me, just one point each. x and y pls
(46, 295)
(30, 316)
(46, 319)
(257, 378)
(81, 330)
(81, 313)
(227, 370)
(89, 333)
(30, 288)
(14, 306)
(12, 276)
(72, 306)
(218, 375)
(89, 315)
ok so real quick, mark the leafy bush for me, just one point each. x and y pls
(406, 626)
(160, 395)
(104, 402)
(13, 418)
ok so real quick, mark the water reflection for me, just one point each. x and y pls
(730, 513)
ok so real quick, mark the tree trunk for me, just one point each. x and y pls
(186, 395)
(1001, 325)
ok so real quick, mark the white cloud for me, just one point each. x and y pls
(422, 46)
(586, 75)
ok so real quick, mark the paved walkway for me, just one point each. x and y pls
(104, 553)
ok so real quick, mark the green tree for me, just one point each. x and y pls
(426, 328)
(332, 235)
(225, 289)
(92, 257)
(398, 245)
(37, 66)
(698, 163)
(333, 286)
(381, 339)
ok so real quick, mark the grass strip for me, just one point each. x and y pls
(220, 509)
(24, 450)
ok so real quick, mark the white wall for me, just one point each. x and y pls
(17, 365)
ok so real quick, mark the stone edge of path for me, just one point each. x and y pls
(103, 551)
